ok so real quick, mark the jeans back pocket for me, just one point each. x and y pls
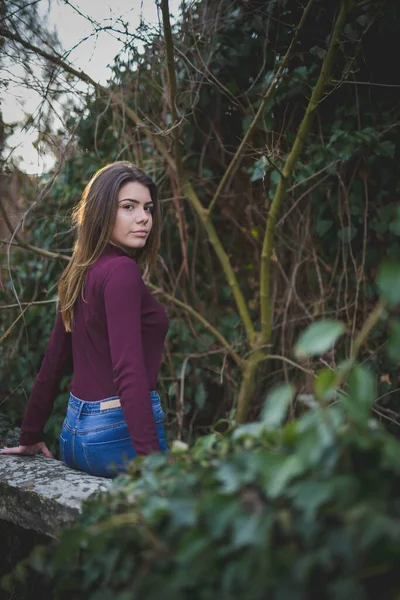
(107, 459)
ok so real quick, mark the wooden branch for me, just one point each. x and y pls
(361, 338)
(224, 259)
(253, 125)
(28, 304)
(206, 324)
(280, 193)
(55, 59)
(7, 333)
(19, 242)
(15, 231)
(248, 385)
(172, 87)
(45, 253)
(189, 190)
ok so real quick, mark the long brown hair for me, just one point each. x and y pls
(95, 216)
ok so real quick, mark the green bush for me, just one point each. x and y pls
(307, 510)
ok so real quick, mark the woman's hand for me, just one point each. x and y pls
(28, 450)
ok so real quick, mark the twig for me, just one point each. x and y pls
(34, 303)
(180, 409)
(366, 329)
(202, 320)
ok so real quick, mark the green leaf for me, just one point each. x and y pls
(275, 177)
(393, 344)
(325, 384)
(347, 234)
(200, 396)
(247, 531)
(289, 468)
(388, 282)
(394, 226)
(179, 447)
(323, 226)
(318, 338)
(361, 394)
(362, 386)
(276, 405)
(308, 495)
(230, 478)
(386, 148)
(208, 173)
(258, 169)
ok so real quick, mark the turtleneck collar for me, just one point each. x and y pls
(112, 250)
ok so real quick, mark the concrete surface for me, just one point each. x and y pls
(43, 494)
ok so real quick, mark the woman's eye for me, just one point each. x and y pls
(149, 208)
(128, 206)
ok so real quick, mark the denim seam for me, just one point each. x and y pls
(86, 457)
(98, 411)
(104, 444)
(104, 428)
(62, 448)
(73, 447)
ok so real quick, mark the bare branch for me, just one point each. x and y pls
(202, 320)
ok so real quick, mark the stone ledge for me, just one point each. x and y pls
(43, 494)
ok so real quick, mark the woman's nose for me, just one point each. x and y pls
(142, 216)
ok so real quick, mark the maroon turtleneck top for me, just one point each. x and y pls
(115, 349)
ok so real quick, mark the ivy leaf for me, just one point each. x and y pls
(325, 384)
(318, 338)
(200, 396)
(258, 170)
(362, 386)
(393, 344)
(362, 394)
(394, 226)
(388, 282)
(386, 148)
(323, 226)
(276, 405)
(347, 234)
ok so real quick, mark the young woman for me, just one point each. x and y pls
(109, 329)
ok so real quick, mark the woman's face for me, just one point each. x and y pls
(134, 218)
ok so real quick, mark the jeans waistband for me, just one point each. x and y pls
(89, 408)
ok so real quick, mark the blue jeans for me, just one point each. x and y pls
(97, 440)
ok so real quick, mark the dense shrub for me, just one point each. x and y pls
(308, 510)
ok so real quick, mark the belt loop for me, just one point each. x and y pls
(80, 409)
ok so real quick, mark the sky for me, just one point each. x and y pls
(92, 56)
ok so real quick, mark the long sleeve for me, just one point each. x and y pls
(123, 294)
(56, 363)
